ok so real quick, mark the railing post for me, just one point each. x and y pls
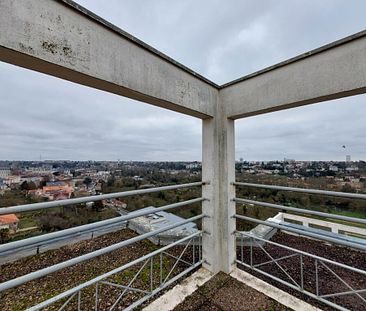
(218, 167)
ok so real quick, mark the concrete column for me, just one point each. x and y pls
(218, 167)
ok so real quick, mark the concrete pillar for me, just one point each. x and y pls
(218, 167)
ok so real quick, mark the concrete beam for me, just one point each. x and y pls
(62, 39)
(333, 71)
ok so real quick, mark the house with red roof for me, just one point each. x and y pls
(9, 221)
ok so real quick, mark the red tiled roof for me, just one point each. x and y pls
(8, 219)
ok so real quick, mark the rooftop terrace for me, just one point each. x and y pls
(63, 39)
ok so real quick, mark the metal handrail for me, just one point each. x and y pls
(304, 190)
(341, 265)
(302, 211)
(46, 271)
(300, 287)
(44, 239)
(303, 232)
(44, 205)
(112, 272)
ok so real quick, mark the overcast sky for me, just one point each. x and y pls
(222, 40)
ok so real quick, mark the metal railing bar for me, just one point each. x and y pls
(275, 260)
(278, 265)
(129, 285)
(292, 286)
(301, 210)
(305, 190)
(110, 273)
(316, 278)
(177, 261)
(341, 265)
(79, 300)
(301, 272)
(44, 205)
(67, 302)
(343, 281)
(165, 285)
(351, 292)
(303, 232)
(176, 258)
(125, 287)
(43, 272)
(50, 237)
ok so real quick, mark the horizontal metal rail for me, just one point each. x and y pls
(341, 265)
(44, 205)
(300, 288)
(112, 272)
(304, 190)
(54, 236)
(43, 272)
(303, 232)
(301, 211)
(290, 285)
(293, 286)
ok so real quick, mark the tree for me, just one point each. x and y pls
(98, 206)
(24, 185)
(87, 181)
(4, 235)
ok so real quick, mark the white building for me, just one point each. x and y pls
(5, 172)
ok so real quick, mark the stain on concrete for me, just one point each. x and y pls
(67, 51)
(50, 47)
(27, 49)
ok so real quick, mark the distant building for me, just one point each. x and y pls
(348, 158)
(351, 168)
(9, 221)
(57, 190)
(289, 160)
(4, 172)
(193, 166)
(12, 180)
(42, 170)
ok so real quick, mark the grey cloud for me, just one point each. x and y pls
(221, 40)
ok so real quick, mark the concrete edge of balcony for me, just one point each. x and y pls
(187, 289)
(178, 293)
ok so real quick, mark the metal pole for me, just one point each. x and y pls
(54, 236)
(303, 232)
(43, 272)
(304, 190)
(301, 272)
(96, 296)
(363, 272)
(316, 277)
(301, 211)
(44, 205)
(99, 278)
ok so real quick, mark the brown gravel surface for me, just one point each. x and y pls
(224, 293)
(39, 290)
(328, 283)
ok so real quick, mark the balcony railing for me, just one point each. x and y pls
(74, 295)
(245, 256)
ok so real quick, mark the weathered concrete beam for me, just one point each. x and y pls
(65, 40)
(333, 71)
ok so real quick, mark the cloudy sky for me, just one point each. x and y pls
(41, 115)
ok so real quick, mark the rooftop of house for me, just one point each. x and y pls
(8, 219)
